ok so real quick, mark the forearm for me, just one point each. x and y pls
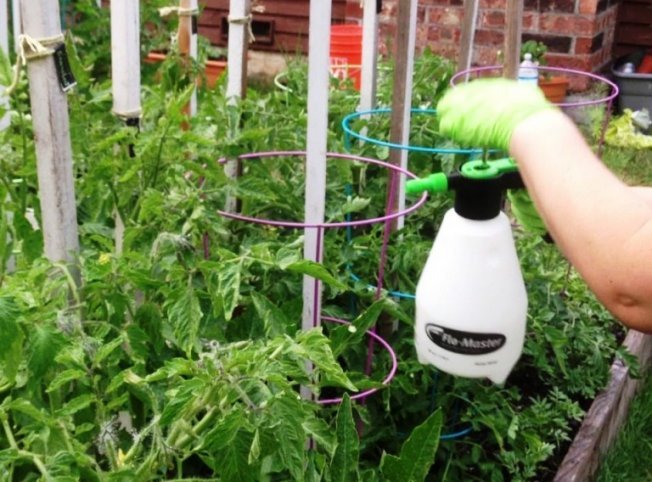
(603, 226)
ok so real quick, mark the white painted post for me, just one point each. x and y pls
(125, 74)
(187, 38)
(402, 93)
(52, 136)
(4, 44)
(239, 24)
(369, 55)
(16, 21)
(125, 59)
(318, 85)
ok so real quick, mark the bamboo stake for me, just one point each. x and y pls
(318, 85)
(368, 79)
(51, 135)
(514, 20)
(406, 26)
(187, 39)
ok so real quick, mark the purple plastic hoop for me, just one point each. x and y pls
(343, 224)
(388, 378)
(609, 98)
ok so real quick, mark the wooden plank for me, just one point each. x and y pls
(606, 415)
(49, 107)
(402, 97)
(368, 77)
(634, 35)
(640, 13)
(468, 34)
(513, 27)
(283, 7)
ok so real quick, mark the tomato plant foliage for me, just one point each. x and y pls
(178, 354)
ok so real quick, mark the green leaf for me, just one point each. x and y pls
(344, 465)
(286, 413)
(24, 406)
(318, 429)
(45, 344)
(315, 348)
(229, 279)
(76, 404)
(185, 315)
(254, 451)
(66, 376)
(232, 460)
(344, 336)
(316, 270)
(417, 453)
(106, 349)
(138, 343)
(274, 319)
(11, 340)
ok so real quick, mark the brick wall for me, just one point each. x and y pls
(579, 33)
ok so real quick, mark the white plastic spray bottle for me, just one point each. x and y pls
(471, 303)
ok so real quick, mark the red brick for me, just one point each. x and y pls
(587, 6)
(353, 9)
(493, 3)
(492, 19)
(583, 45)
(531, 21)
(489, 37)
(444, 15)
(566, 24)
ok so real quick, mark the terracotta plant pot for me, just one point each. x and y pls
(213, 68)
(554, 88)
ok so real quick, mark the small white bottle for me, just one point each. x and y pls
(528, 73)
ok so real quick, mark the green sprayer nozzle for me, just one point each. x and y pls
(437, 182)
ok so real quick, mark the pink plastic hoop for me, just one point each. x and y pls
(343, 224)
(609, 98)
(388, 378)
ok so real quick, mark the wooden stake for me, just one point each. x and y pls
(514, 22)
(318, 85)
(406, 27)
(17, 22)
(468, 35)
(4, 45)
(52, 137)
(369, 55)
(187, 38)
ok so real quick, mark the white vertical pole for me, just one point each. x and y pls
(125, 59)
(369, 55)
(468, 35)
(239, 11)
(125, 74)
(52, 137)
(187, 38)
(318, 85)
(17, 22)
(402, 95)
(4, 44)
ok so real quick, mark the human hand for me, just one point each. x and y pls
(483, 113)
(525, 212)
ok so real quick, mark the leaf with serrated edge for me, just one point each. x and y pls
(344, 466)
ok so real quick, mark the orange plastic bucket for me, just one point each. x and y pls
(346, 52)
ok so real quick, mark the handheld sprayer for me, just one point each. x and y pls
(471, 303)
